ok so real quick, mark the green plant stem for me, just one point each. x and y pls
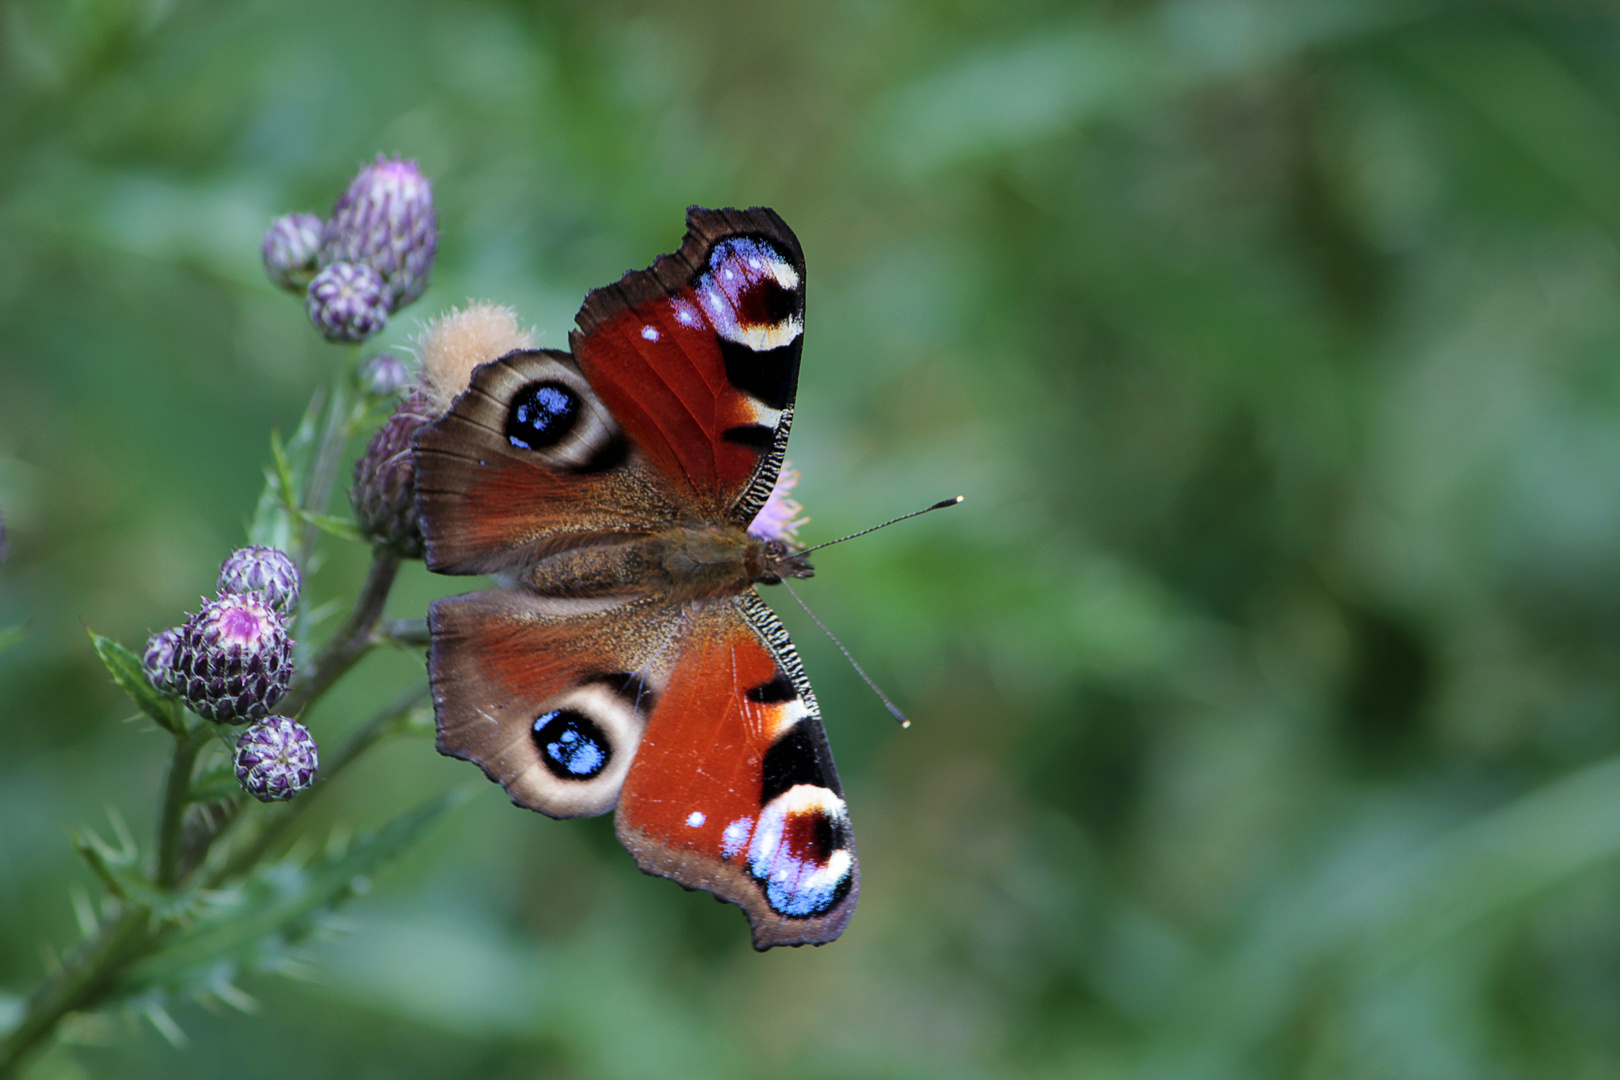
(380, 726)
(350, 643)
(340, 417)
(84, 976)
(404, 632)
(176, 798)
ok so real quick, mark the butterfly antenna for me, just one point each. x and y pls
(894, 710)
(942, 504)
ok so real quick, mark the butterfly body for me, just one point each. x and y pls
(685, 564)
(629, 662)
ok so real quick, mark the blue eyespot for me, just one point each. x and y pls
(542, 414)
(571, 744)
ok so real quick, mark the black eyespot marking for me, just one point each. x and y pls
(754, 436)
(770, 376)
(766, 303)
(542, 414)
(571, 744)
(778, 690)
(793, 759)
(613, 452)
(631, 688)
(828, 836)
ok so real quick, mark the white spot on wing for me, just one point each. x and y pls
(650, 333)
(785, 715)
(735, 837)
(695, 818)
(686, 314)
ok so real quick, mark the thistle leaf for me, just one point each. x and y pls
(249, 927)
(283, 481)
(125, 668)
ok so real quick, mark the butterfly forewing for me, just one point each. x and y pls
(698, 357)
(497, 490)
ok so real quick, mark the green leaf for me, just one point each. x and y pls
(127, 672)
(344, 530)
(217, 781)
(119, 870)
(11, 635)
(283, 481)
(279, 904)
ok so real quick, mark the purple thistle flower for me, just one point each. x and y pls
(234, 659)
(779, 518)
(276, 758)
(384, 376)
(384, 492)
(386, 220)
(158, 662)
(291, 246)
(348, 302)
(263, 570)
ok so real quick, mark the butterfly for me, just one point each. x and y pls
(627, 661)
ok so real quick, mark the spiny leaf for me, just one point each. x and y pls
(127, 672)
(337, 527)
(119, 870)
(272, 524)
(280, 903)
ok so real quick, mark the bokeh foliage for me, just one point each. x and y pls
(1265, 687)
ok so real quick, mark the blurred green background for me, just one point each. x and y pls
(1265, 687)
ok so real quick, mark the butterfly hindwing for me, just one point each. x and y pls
(697, 357)
(549, 699)
(733, 788)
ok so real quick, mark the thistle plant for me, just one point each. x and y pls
(214, 894)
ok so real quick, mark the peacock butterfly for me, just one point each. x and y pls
(628, 660)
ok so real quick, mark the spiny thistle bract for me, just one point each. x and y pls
(384, 492)
(385, 220)
(276, 758)
(234, 660)
(384, 376)
(348, 302)
(158, 660)
(291, 246)
(263, 570)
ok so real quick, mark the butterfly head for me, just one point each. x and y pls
(776, 562)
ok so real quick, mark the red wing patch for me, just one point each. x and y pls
(733, 788)
(698, 357)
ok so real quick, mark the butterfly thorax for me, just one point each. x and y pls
(681, 564)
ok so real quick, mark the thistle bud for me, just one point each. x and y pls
(386, 220)
(347, 302)
(292, 245)
(158, 662)
(234, 659)
(384, 376)
(384, 492)
(276, 759)
(263, 570)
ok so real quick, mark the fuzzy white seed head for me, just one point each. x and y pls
(460, 340)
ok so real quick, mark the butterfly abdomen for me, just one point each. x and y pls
(688, 563)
